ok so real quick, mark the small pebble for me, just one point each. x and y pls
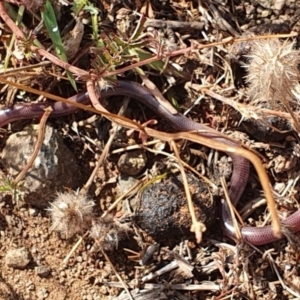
(42, 270)
(265, 13)
(42, 293)
(132, 162)
(32, 212)
(17, 258)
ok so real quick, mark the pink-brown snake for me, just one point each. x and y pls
(253, 235)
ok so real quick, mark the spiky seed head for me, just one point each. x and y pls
(71, 213)
(272, 71)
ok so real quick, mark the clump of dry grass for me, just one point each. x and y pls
(71, 213)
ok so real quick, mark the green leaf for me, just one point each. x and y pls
(78, 6)
(158, 65)
(13, 38)
(95, 27)
(50, 22)
(139, 29)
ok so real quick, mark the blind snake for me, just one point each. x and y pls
(253, 235)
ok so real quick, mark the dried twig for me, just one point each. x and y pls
(117, 274)
(207, 286)
(246, 110)
(231, 209)
(74, 248)
(197, 227)
(112, 206)
(38, 145)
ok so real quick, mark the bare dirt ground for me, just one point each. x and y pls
(142, 248)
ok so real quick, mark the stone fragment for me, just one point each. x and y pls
(18, 258)
(53, 170)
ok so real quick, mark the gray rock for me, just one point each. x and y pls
(276, 4)
(54, 168)
(265, 3)
(42, 271)
(132, 162)
(18, 258)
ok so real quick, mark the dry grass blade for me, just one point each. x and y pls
(111, 207)
(118, 275)
(77, 244)
(231, 209)
(14, 71)
(206, 286)
(248, 111)
(197, 227)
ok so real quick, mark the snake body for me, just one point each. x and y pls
(253, 235)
